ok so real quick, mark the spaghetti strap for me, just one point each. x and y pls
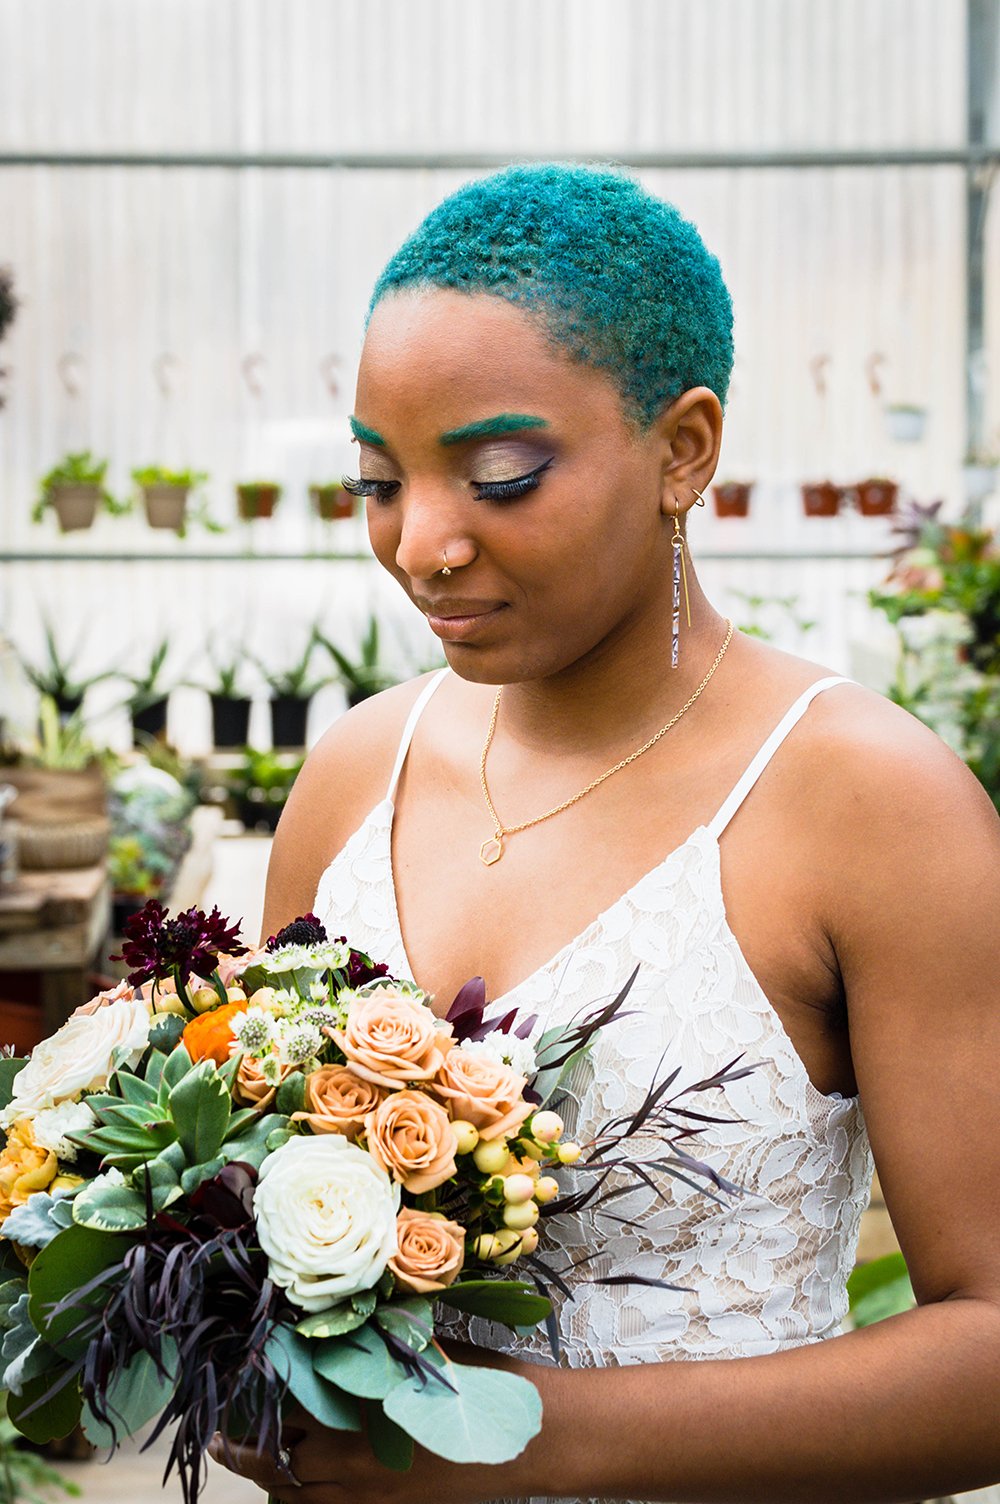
(729, 807)
(411, 726)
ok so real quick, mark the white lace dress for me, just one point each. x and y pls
(764, 1271)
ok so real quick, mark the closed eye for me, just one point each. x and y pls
(509, 490)
(382, 490)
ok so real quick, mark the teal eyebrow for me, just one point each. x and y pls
(487, 427)
(365, 434)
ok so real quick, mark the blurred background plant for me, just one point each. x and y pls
(771, 616)
(942, 595)
(260, 785)
(150, 812)
(25, 1477)
(57, 676)
(8, 310)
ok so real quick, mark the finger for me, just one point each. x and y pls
(249, 1463)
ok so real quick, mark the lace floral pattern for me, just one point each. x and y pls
(763, 1271)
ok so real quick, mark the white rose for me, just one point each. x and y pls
(79, 1057)
(326, 1218)
(52, 1125)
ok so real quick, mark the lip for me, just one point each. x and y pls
(459, 620)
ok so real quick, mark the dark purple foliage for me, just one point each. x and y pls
(192, 941)
(306, 930)
(466, 1015)
(361, 968)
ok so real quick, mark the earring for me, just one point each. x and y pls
(679, 576)
(444, 567)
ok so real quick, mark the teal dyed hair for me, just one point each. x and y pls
(619, 279)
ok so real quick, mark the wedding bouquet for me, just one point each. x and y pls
(246, 1179)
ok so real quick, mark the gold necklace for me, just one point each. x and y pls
(492, 849)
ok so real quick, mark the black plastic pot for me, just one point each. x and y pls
(68, 705)
(150, 721)
(230, 721)
(262, 813)
(288, 721)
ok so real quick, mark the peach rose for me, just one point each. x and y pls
(337, 1101)
(231, 968)
(430, 1254)
(482, 1091)
(411, 1136)
(104, 999)
(391, 1039)
(252, 1088)
(25, 1167)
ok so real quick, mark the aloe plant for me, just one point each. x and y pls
(57, 678)
(363, 675)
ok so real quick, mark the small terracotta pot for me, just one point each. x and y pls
(732, 498)
(257, 500)
(75, 505)
(166, 506)
(332, 502)
(821, 498)
(876, 498)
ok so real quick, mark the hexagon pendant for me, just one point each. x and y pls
(491, 851)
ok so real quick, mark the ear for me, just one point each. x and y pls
(690, 434)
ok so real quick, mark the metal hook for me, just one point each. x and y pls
(162, 366)
(326, 370)
(818, 366)
(872, 365)
(252, 366)
(70, 367)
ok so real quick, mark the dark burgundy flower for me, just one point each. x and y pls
(361, 968)
(306, 930)
(192, 941)
(227, 1199)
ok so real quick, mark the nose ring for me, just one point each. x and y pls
(445, 567)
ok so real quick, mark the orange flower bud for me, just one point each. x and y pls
(210, 1035)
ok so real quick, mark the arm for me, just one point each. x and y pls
(903, 1410)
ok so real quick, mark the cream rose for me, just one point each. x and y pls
(79, 1056)
(326, 1218)
(483, 1091)
(337, 1101)
(411, 1136)
(391, 1039)
(430, 1254)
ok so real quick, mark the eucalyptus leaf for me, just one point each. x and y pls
(49, 1419)
(70, 1262)
(200, 1106)
(139, 1393)
(292, 1357)
(360, 1363)
(412, 1321)
(488, 1415)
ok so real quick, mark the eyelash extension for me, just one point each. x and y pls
(382, 490)
(508, 490)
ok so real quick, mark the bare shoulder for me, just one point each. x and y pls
(343, 778)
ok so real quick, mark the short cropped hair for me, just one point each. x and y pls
(618, 278)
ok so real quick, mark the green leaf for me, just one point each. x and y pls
(11, 1292)
(131, 1115)
(277, 1138)
(292, 1357)
(241, 1119)
(175, 1068)
(332, 1323)
(71, 1260)
(360, 1363)
(110, 1208)
(200, 1106)
(510, 1301)
(254, 1144)
(137, 1395)
(164, 1035)
(34, 1224)
(490, 1416)
(196, 1175)
(364, 1301)
(134, 1089)
(9, 1071)
(879, 1289)
(228, 1072)
(154, 1067)
(291, 1094)
(412, 1321)
(52, 1420)
(390, 1443)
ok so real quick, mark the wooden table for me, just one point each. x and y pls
(53, 923)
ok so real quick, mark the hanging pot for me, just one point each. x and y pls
(288, 721)
(876, 498)
(230, 721)
(75, 505)
(821, 498)
(150, 721)
(257, 499)
(732, 498)
(166, 506)
(905, 425)
(332, 502)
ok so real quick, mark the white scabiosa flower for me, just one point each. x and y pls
(254, 1031)
(505, 1049)
(326, 1218)
(52, 1124)
(300, 1043)
(328, 957)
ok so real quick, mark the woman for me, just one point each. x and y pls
(539, 405)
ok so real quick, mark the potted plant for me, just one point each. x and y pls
(876, 497)
(257, 498)
(979, 471)
(230, 708)
(74, 489)
(821, 498)
(905, 422)
(150, 832)
(166, 496)
(56, 677)
(61, 804)
(8, 308)
(292, 690)
(260, 786)
(732, 498)
(147, 704)
(363, 675)
(331, 501)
